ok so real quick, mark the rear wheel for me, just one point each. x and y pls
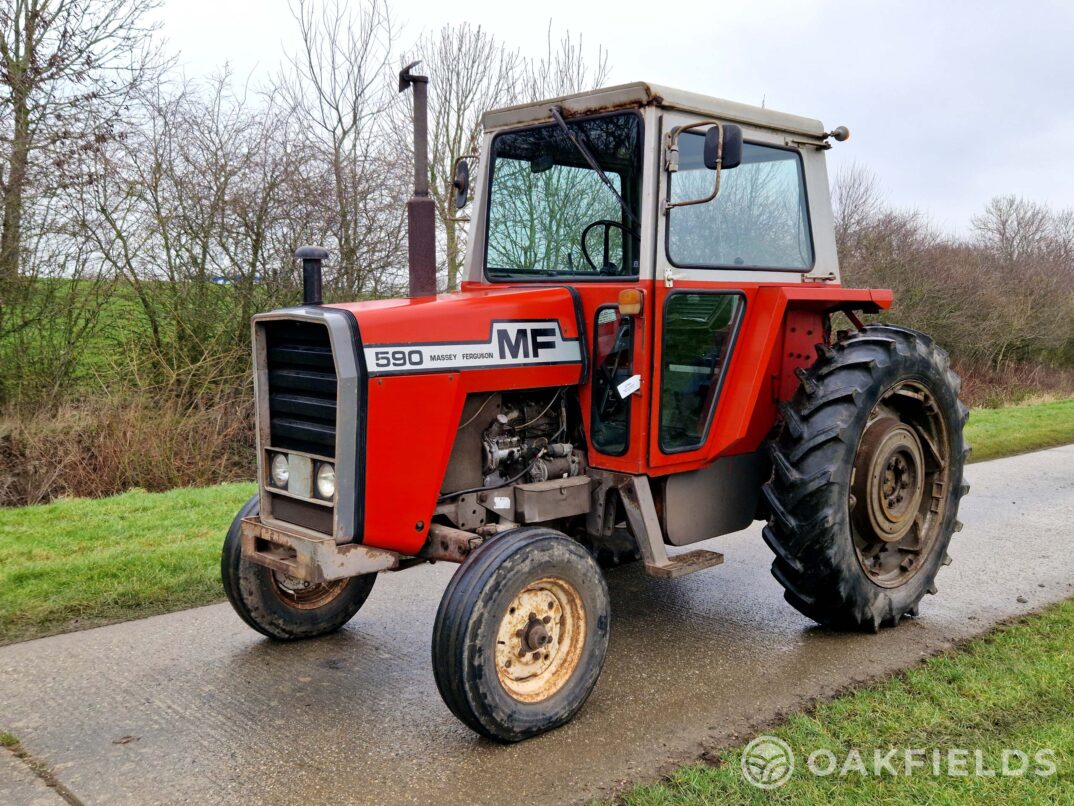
(281, 606)
(521, 634)
(867, 478)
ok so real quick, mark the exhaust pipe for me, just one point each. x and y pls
(420, 210)
(312, 285)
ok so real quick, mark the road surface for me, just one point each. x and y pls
(193, 707)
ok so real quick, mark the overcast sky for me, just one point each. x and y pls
(948, 103)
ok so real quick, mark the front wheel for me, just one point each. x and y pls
(521, 634)
(281, 606)
(867, 479)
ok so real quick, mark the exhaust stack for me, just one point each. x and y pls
(420, 210)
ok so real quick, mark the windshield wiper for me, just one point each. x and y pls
(557, 116)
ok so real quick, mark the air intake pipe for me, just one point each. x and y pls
(420, 210)
(312, 284)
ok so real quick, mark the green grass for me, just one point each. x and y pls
(1017, 429)
(79, 563)
(8, 740)
(1011, 689)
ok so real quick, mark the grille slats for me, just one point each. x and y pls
(309, 355)
(285, 429)
(302, 387)
(302, 380)
(304, 405)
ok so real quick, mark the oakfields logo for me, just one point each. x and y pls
(768, 763)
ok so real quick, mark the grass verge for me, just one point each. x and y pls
(78, 563)
(1010, 690)
(1016, 429)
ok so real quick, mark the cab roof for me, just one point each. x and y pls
(642, 93)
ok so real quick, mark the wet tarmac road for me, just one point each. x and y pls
(195, 707)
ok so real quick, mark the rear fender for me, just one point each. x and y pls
(779, 335)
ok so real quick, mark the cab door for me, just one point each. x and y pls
(697, 316)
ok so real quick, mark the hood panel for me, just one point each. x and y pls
(475, 329)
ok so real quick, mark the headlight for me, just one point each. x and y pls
(326, 481)
(278, 470)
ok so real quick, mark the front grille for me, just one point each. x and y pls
(301, 387)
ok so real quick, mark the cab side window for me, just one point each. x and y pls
(698, 331)
(613, 342)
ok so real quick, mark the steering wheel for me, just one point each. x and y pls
(607, 266)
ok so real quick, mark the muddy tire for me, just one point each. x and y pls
(867, 479)
(279, 606)
(521, 634)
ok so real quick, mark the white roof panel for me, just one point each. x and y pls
(641, 93)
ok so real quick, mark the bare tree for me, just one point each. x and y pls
(66, 69)
(856, 203)
(564, 69)
(1014, 228)
(338, 85)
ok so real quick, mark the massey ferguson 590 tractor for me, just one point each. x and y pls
(644, 354)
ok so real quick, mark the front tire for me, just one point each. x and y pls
(280, 606)
(521, 634)
(867, 479)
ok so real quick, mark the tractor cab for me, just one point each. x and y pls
(691, 211)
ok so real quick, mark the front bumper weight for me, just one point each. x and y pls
(312, 559)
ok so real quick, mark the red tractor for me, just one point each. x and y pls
(641, 356)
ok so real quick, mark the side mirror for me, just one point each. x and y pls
(730, 150)
(461, 182)
(722, 150)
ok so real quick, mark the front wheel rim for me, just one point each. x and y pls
(540, 639)
(899, 485)
(302, 595)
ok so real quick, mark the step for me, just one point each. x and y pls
(682, 564)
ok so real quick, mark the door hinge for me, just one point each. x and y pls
(669, 278)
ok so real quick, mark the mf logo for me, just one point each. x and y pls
(509, 344)
(525, 342)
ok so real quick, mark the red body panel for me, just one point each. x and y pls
(412, 415)
(411, 419)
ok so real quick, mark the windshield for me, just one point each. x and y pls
(759, 220)
(544, 196)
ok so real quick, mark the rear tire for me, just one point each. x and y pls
(521, 634)
(279, 606)
(867, 478)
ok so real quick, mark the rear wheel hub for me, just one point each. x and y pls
(898, 489)
(889, 479)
